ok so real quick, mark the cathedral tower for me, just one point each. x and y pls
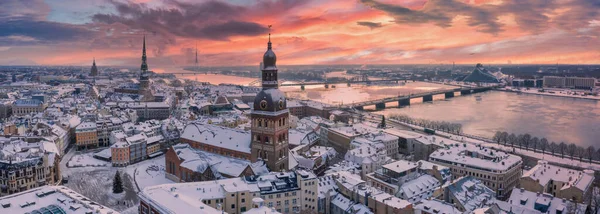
(270, 118)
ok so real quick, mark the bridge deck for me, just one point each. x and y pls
(410, 96)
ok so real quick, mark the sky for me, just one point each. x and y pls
(235, 32)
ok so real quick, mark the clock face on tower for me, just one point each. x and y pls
(263, 104)
(281, 105)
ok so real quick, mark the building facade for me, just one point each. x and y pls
(86, 135)
(270, 118)
(496, 169)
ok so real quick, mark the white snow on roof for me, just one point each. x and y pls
(419, 188)
(46, 196)
(544, 173)
(538, 201)
(198, 161)
(475, 156)
(218, 136)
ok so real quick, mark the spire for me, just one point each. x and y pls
(196, 54)
(94, 63)
(144, 66)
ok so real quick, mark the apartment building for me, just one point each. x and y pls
(496, 169)
(569, 82)
(86, 135)
(559, 182)
(285, 192)
(18, 174)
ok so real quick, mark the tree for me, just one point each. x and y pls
(512, 138)
(590, 153)
(117, 183)
(526, 140)
(504, 137)
(382, 125)
(572, 149)
(498, 137)
(520, 140)
(543, 144)
(534, 143)
(562, 148)
(553, 148)
(580, 153)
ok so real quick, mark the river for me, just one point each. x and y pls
(558, 119)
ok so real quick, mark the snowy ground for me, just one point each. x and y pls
(95, 181)
(149, 172)
(86, 160)
(556, 92)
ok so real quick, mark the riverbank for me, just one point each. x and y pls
(554, 159)
(549, 92)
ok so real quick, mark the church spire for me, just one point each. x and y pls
(144, 66)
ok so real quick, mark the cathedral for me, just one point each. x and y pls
(94, 69)
(143, 88)
(270, 118)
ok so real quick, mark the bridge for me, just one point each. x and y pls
(404, 100)
(327, 83)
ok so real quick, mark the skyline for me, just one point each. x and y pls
(53, 32)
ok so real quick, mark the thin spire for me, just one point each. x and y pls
(196, 53)
(94, 61)
(269, 44)
(144, 66)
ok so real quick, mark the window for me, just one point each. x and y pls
(294, 201)
(243, 209)
(278, 195)
(233, 206)
(287, 202)
(270, 204)
(243, 200)
(278, 203)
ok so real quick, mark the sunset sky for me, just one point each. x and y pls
(234, 32)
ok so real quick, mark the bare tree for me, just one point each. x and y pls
(526, 140)
(554, 147)
(581, 153)
(512, 138)
(572, 149)
(497, 137)
(504, 137)
(520, 140)
(562, 148)
(590, 153)
(534, 143)
(544, 144)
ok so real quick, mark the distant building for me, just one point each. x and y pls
(27, 106)
(559, 182)
(219, 140)
(94, 69)
(5, 108)
(151, 110)
(569, 82)
(496, 169)
(523, 201)
(480, 74)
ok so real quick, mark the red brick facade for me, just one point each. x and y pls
(175, 172)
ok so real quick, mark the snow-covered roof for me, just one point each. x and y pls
(51, 198)
(543, 202)
(218, 136)
(198, 161)
(418, 189)
(183, 198)
(471, 193)
(478, 157)
(436, 206)
(544, 172)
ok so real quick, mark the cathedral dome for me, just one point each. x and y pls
(270, 100)
(269, 59)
